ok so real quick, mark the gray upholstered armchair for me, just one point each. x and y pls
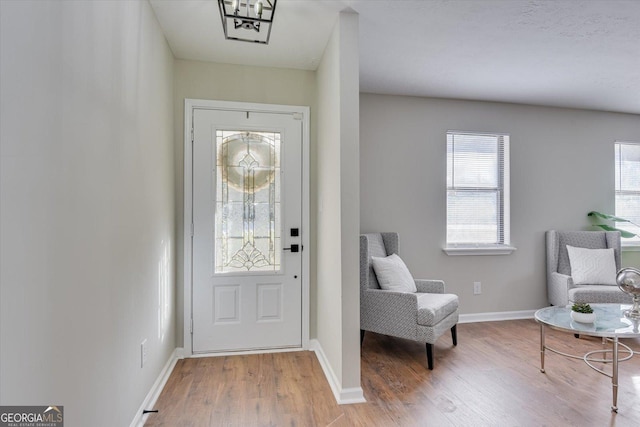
(422, 316)
(560, 287)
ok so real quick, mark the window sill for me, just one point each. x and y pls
(631, 248)
(479, 250)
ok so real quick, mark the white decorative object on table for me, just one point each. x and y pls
(582, 313)
(583, 317)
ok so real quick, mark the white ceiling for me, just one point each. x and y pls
(566, 53)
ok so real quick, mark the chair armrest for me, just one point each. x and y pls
(389, 313)
(392, 299)
(558, 288)
(562, 280)
(430, 286)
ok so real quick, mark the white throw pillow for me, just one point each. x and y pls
(393, 274)
(592, 266)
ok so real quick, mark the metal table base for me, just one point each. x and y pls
(589, 360)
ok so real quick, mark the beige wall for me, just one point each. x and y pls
(338, 295)
(86, 207)
(561, 168)
(350, 203)
(329, 278)
(226, 82)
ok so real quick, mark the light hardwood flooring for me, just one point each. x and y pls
(492, 378)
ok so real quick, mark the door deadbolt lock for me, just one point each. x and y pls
(293, 248)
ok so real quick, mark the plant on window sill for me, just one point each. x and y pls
(624, 233)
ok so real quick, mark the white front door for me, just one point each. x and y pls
(247, 218)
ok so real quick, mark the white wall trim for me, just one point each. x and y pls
(189, 105)
(187, 220)
(479, 250)
(246, 352)
(496, 316)
(343, 396)
(151, 398)
(180, 353)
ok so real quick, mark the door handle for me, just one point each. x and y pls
(293, 248)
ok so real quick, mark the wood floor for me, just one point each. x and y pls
(491, 378)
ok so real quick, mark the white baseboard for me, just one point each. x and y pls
(496, 316)
(343, 396)
(351, 395)
(180, 353)
(244, 352)
(157, 387)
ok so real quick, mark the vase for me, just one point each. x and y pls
(583, 317)
(628, 280)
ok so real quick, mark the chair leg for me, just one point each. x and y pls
(430, 356)
(454, 334)
(361, 336)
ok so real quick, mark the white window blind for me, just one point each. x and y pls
(627, 170)
(477, 189)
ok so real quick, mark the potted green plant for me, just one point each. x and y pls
(582, 313)
(607, 227)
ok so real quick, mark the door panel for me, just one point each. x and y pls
(247, 191)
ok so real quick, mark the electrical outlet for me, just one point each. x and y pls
(143, 353)
(477, 288)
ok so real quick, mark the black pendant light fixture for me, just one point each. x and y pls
(247, 20)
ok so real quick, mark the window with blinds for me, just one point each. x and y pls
(477, 189)
(627, 170)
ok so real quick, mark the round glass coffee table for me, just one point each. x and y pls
(611, 324)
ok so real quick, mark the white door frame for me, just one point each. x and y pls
(189, 106)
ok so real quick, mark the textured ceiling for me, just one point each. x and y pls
(567, 53)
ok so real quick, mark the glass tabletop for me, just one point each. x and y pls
(610, 321)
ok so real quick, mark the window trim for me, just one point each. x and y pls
(457, 250)
(626, 245)
(503, 191)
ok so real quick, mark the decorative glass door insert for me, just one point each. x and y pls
(248, 201)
